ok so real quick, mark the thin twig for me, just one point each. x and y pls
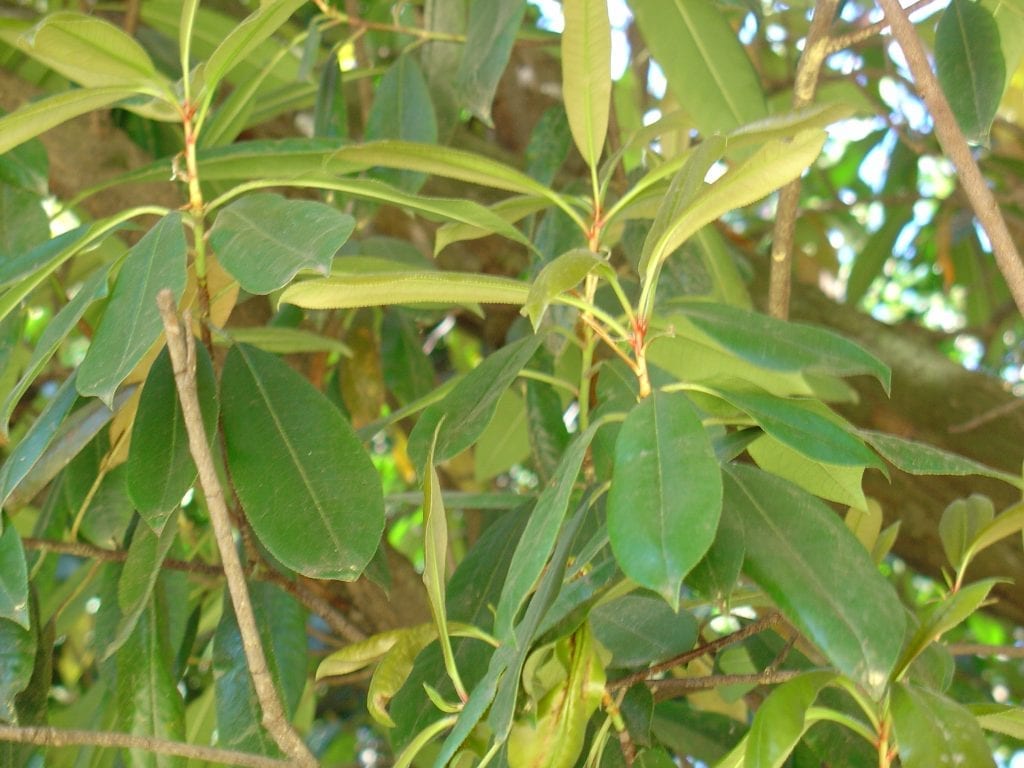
(670, 687)
(181, 345)
(846, 40)
(59, 737)
(954, 144)
(980, 649)
(807, 73)
(81, 549)
(984, 418)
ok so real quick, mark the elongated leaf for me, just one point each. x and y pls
(561, 275)
(160, 468)
(970, 66)
(23, 222)
(920, 459)
(389, 288)
(829, 481)
(510, 210)
(639, 629)
(666, 494)
(783, 346)
(586, 74)
(932, 730)
(818, 574)
(131, 322)
(505, 442)
(1000, 719)
(17, 655)
(1007, 522)
(469, 407)
(707, 69)
(490, 33)
(13, 579)
(246, 37)
(49, 341)
(264, 240)
(283, 340)
(307, 485)
(781, 720)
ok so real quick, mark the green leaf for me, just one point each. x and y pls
(505, 441)
(829, 481)
(322, 514)
(932, 730)
(23, 222)
(586, 74)
(17, 657)
(1000, 719)
(1007, 522)
(95, 287)
(560, 275)
(875, 252)
(490, 33)
(640, 629)
(960, 523)
(91, 51)
(920, 459)
(410, 287)
(283, 340)
(509, 210)
(781, 720)
(546, 432)
(131, 322)
(13, 579)
(819, 575)
(666, 494)
(246, 37)
(407, 370)
(27, 167)
(969, 63)
(707, 69)
(160, 468)
(402, 110)
(469, 407)
(264, 240)
(40, 116)
(782, 346)
(717, 574)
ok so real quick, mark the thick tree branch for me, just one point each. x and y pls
(816, 48)
(58, 737)
(954, 144)
(181, 345)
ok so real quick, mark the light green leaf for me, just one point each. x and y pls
(801, 554)
(13, 579)
(282, 340)
(323, 513)
(264, 240)
(829, 481)
(490, 33)
(586, 74)
(666, 494)
(720, 264)
(1007, 522)
(970, 65)
(707, 69)
(17, 657)
(933, 731)
(560, 275)
(387, 288)
(1000, 718)
(509, 210)
(920, 459)
(782, 126)
(640, 629)
(960, 523)
(246, 37)
(505, 441)
(160, 468)
(781, 720)
(131, 322)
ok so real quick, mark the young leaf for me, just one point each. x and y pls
(510, 210)
(1007, 522)
(264, 240)
(307, 485)
(131, 322)
(160, 468)
(586, 74)
(819, 575)
(969, 63)
(561, 275)
(13, 579)
(932, 730)
(666, 494)
(960, 523)
(781, 720)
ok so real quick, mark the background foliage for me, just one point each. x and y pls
(498, 461)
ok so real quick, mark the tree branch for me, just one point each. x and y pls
(181, 345)
(816, 49)
(954, 144)
(670, 687)
(58, 737)
(841, 42)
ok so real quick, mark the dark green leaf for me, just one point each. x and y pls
(23, 222)
(307, 485)
(666, 494)
(545, 428)
(131, 322)
(549, 145)
(27, 167)
(264, 240)
(505, 441)
(969, 62)
(707, 736)
(819, 574)
(641, 629)
(17, 657)
(932, 730)
(920, 459)
(13, 578)
(406, 368)
(718, 572)
(489, 37)
(781, 720)
(160, 468)
(558, 276)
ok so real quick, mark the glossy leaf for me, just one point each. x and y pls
(586, 74)
(920, 459)
(666, 494)
(160, 468)
(640, 629)
(961, 521)
(970, 66)
(469, 407)
(264, 240)
(17, 657)
(131, 322)
(490, 33)
(13, 578)
(781, 720)
(932, 730)
(707, 69)
(322, 513)
(560, 275)
(818, 574)
(389, 288)
(718, 572)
